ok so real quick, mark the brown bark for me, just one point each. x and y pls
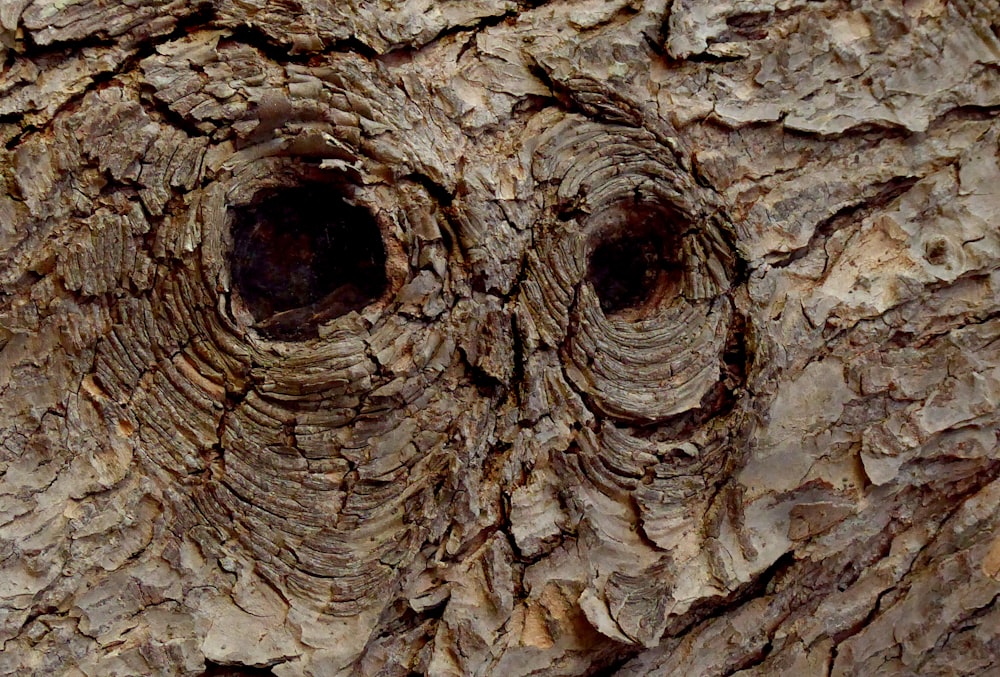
(499, 338)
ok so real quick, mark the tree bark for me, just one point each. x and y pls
(499, 338)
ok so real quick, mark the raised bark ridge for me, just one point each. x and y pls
(685, 359)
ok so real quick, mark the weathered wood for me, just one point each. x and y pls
(683, 359)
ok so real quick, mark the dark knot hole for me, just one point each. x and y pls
(302, 256)
(633, 270)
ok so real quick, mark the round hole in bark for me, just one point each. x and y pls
(303, 255)
(624, 270)
(633, 270)
(936, 251)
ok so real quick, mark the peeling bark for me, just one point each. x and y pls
(473, 338)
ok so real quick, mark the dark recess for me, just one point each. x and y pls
(218, 670)
(302, 256)
(633, 270)
(624, 271)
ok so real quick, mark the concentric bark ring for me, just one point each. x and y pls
(638, 355)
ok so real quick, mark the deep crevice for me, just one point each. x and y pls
(213, 669)
(201, 15)
(844, 217)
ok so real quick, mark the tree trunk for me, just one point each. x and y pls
(499, 338)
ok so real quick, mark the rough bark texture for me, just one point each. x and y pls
(499, 338)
